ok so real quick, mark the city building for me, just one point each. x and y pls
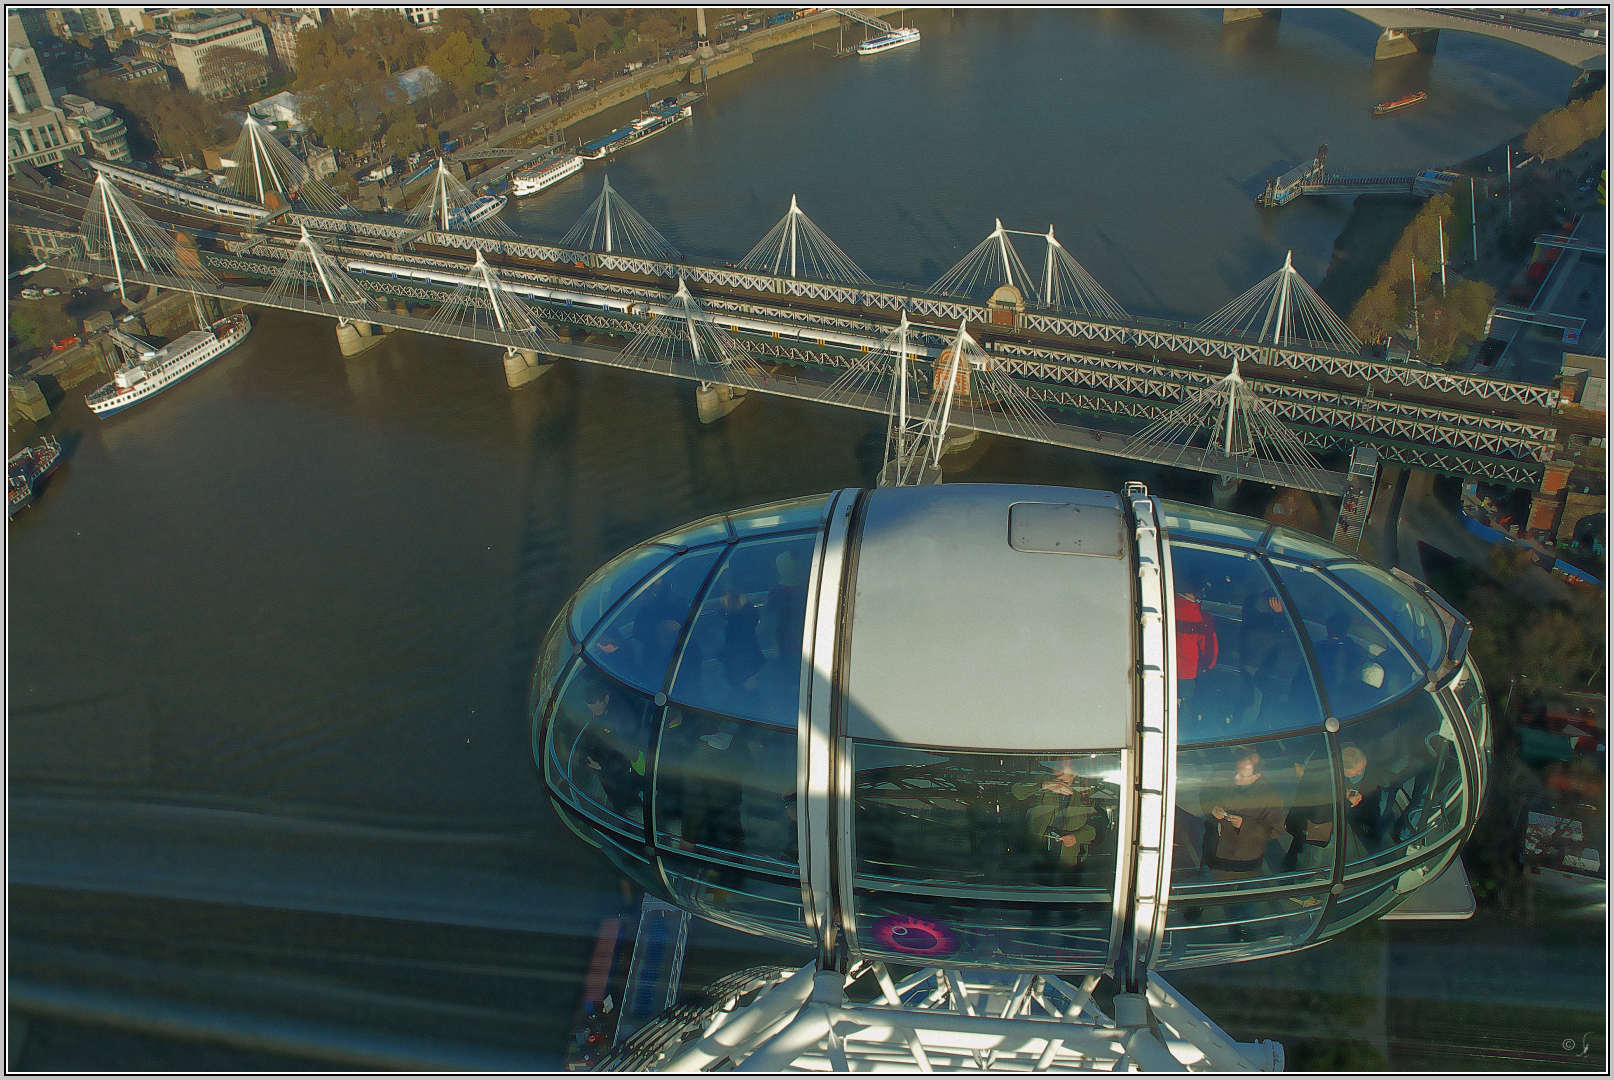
(279, 109)
(194, 40)
(35, 25)
(283, 29)
(130, 69)
(103, 132)
(156, 46)
(37, 132)
(417, 82)
(422, 16)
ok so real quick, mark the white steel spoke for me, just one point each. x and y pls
(797, 248)
(611, 226)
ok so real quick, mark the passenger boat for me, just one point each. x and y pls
(653, 121)
(477, 210)
(1399, 103)
(152, 371)
(902, 35)
(532, 180)
(27, 469)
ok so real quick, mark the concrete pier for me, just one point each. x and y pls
(1244, 14)
(713, 401)
(354, 338)
(1393, 43)
(1223, 488)
(522, 366)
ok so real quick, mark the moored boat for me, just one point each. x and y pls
(896, 39)
(26, 471)
(1399, 103)
(532, 180)
(653, 121)
(477, 210)
(148, 371)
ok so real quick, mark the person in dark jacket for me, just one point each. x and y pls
(1246, 814)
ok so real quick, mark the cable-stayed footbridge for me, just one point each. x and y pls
(1045, 354)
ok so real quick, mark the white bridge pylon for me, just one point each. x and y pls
(273, 176)
(443, 199)
(1283, 310)
(309, 274)
(611, 226)
(796, 246)
(1065, 285)
(118, 232)
(683, 338)
(482, 302)
(950, 1020)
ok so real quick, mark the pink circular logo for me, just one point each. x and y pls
(917, 937)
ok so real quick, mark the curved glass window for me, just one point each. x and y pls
(1361, 666)
(743, 657)
(758, 903)
(1359, 907)
(1470, 691)
(610, 583)
(1403, 782)
(916, 929)
(726, 789)
(552, 657)
(803, 513)
(1200, 931)
(1249, 674)
(1412, 616)
(705, 531)
(637, 644)
(599, 739)
(989, 820)
(1256, 816)
(1301, 545)
(1212, 524)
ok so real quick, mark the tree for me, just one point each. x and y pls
(39, 324)
(227, 70)
(405, 136)
(594, 32)
(658, 31)
(561, 40)
(459, 62)
(384, 36)
(1550, 648)
(346, 103)
(458, 20)
(1376, 314)
(546, 19)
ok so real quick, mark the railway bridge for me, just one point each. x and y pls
(1269, 384)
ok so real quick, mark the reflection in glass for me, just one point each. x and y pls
(993, 819)
(917, 929)
(709, 530)
(599, 737)
(1200, 932)
(1408, 790)
(1284, 541)
(637, 643)
(552, 657)
(610, 583)
(1411, 615)
(1470, 691)
(1361, 667)
(727, 788)
(1250, 676)
(1255, 816)
(803, 513)
(1361, 906)
(759, 903)
(744, 651)
(1207, 524)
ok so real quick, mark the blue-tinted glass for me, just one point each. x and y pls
(599, 741)
(552, 657)
(1240, 669)
(637, 643)
(989, 820)
(1276, 823)
(803, 513)
(709, 530)
(743, 657)
(758, 903)
(727, 789)
(1361, 666)
(1360, 906)
(1470, 691)
(1411, 615)
(610, 583)
(1408, 787)
(1184, 519)
(971, 932)
(1301, 545)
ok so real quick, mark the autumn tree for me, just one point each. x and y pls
(657, 31)
(593, 33)
(227, 70)
(405, 136)
(177, 121)
(39, 324)
(347, 102)
(459, 61)
(561, 40)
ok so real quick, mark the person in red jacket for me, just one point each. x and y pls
(1196, 645)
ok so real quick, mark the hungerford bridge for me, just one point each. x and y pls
(1256, 391)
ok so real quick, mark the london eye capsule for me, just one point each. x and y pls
(1001, 726)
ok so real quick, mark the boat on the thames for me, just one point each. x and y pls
(1399, 103)
(148, 370)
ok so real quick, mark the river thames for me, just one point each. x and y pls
(271, 633)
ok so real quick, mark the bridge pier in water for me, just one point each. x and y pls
(355, 337)
(1244, 14)
(713, 401)
(522, 366)
(1223, 488)
(1393, 43)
